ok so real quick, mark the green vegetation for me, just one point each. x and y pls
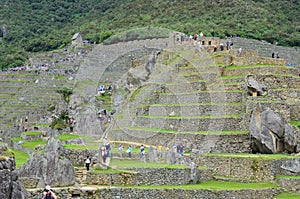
(21, 157)
(66, 92)
(16, 139)
(214, 185)
(60, 122)
(195, 117)
(295, 123)
(125, 164)
(67, 136)
(31, 133)
(288, 196)
(50, 25)
(157, 130)
(234, 67)
(75, 146)
(33, 143)
(289, 177)
(253, 156)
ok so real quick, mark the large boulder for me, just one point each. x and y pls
(50, 167)
(10, 186)
(255, 87)
(271, 133)
(292, 165)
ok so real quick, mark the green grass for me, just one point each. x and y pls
(75, 146)
(21, 157)
(16, 139)
(295, 123)
(288, 177)
(67, 136)
(253, 156)
(202, 104)
(232, 77)
(31, 133)
(195, 117)
(288, 196)
(33, 143)
(233, 67)
(99, 170)
(206, 91)
(225, 132)
(127, 164)
(213, 185)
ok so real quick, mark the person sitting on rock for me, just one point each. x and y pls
(48, 193)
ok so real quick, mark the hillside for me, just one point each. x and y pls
(33, 26)
(164, 93)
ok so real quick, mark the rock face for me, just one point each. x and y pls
(271, 133)
(292, 165)
(10, 186)
(254, 86)
(51, 167)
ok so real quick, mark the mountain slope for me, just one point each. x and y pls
(40, 25)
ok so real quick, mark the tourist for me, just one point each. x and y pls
(221, 46)
(273, 55)
(215, 48)
(129, 151)
(48, 193)
(87, 163)
(231, 45)
(103, 153)
(121, 150)
(227, 45)
(142, 149)
(240, 52)
(277, 55)
(181, 149)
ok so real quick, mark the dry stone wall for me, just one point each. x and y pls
(117, 193)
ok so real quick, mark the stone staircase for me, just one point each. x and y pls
(81, 176)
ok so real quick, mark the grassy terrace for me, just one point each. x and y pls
(207, 91)
(231, 132)
(212, 185)
(251, 66)
(253, 156)
(21, 157)
(288, 177)
(288, 196)
(202, 104)
(127, 164)
(194, 117)
(33, 143)
(31, 133)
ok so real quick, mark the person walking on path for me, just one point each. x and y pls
(87, 163)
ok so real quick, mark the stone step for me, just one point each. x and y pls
(204, 142)
(195, 109)
(198, 97)
(192, 124)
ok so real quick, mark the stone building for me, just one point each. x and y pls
(77, 39)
